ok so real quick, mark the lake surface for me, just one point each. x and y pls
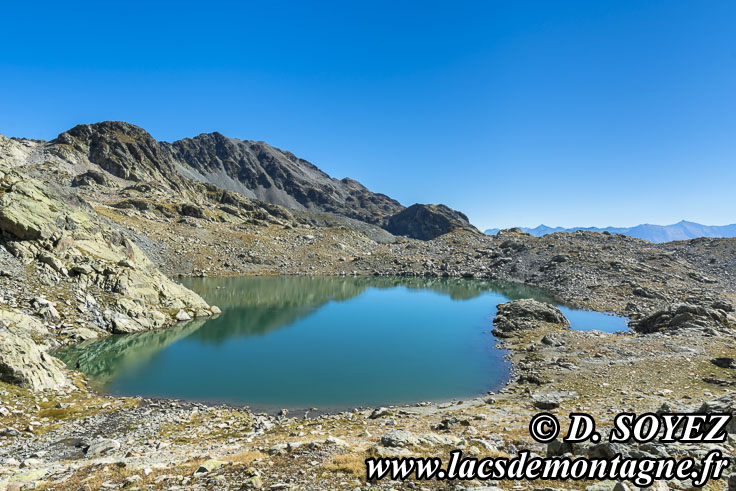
(326, 342)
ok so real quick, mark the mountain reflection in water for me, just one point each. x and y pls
(319, 341)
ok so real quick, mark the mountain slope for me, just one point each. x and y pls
(682, 230)
(260, 171)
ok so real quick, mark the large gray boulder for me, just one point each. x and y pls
(525, 314)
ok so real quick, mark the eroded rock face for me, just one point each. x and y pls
(22, 361)
(425, 222)
(685, 316)
(526, 314)
(195, 167)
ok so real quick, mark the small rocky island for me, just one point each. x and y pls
(97, 223)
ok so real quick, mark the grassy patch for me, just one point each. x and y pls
(246, 457)
(350, 464)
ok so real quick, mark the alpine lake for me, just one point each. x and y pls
(326, 342)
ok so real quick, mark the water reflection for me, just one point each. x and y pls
(320, 341)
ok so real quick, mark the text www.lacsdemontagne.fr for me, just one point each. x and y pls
(641, 472)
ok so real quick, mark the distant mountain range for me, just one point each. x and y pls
(654, 233)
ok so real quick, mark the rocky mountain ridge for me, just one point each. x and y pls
(254, 170)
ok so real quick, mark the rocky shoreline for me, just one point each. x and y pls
(72, 439)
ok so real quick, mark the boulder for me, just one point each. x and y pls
(89, 178)
(53, 261)
(123, 324)
(82, 269)
(209, 466)
(551, 399)
(404, 439)
(526, 314)
(102, 446)
(724, 362)
(380, 412)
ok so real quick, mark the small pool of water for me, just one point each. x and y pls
(300, 342)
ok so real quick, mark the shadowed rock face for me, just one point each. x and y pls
(425, 222)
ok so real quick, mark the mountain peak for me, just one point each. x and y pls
(427, 221)
(123, 149)
(108, 128)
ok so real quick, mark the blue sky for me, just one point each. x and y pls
(517, 113)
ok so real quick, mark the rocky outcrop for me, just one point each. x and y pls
(685, 316)
(525, 314)
(90, 178)
(425, 222)
(726, 404)
(68, 241)
(22, 361)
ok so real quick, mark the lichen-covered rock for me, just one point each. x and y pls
(526, 314)
(68, 239)
(27, 210)
(22, 361)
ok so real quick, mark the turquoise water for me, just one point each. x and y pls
(300, 342)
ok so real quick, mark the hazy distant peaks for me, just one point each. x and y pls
(682, 230)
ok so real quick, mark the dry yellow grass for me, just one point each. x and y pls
(351, 464)
(246, 457)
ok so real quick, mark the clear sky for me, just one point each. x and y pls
(517, 113)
